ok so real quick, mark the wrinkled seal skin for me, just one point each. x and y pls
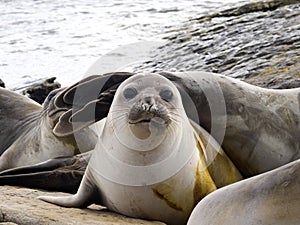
(63, 173)
(148, 108)
(261, 125)
(27, 135)
(270, 198)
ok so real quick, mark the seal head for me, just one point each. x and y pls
(144, 128)
(147, 102)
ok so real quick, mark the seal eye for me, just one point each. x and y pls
(166, 95)
(130, 93)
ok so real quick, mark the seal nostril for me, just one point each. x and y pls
(149, 100)
(150, 107)
(144, 106)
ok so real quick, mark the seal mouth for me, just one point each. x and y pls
(154, 120)
(141, 121)
(143, 128)
(149, 112)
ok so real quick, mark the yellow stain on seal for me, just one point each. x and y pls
(163, 195)
(187, 187)
(204, 183)
(209, 169)
(220, 167)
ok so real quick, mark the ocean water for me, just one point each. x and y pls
(63, 38)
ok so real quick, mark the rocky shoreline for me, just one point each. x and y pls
(258, 43)
(37, 90)
(21, 206)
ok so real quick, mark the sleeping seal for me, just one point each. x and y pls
(270, 198)
(150, 161)
(27, 131)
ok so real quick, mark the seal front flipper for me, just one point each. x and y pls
(48, 165)
(86, 195)
(63, 181)
(59, 174)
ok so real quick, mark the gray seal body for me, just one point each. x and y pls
(27, 131)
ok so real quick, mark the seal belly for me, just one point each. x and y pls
(170, 201)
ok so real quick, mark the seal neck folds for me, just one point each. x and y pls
(143, 133)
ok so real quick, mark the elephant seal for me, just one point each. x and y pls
(150, 161)
(27, 131)
(258, 128)
(270, 198)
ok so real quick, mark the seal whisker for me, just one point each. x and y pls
(117, 120)
(175, 114)
(120, 109)
(174, 120)
(119, 125)
(174, 108)
(172, 128)
(118, 117)
(122, 106)
(175, 117)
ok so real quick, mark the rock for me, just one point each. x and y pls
(39, 91)
(2, 84)
(8, 223)
(20, 206)
(257, 42)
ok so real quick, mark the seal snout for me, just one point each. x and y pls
(149, 110)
